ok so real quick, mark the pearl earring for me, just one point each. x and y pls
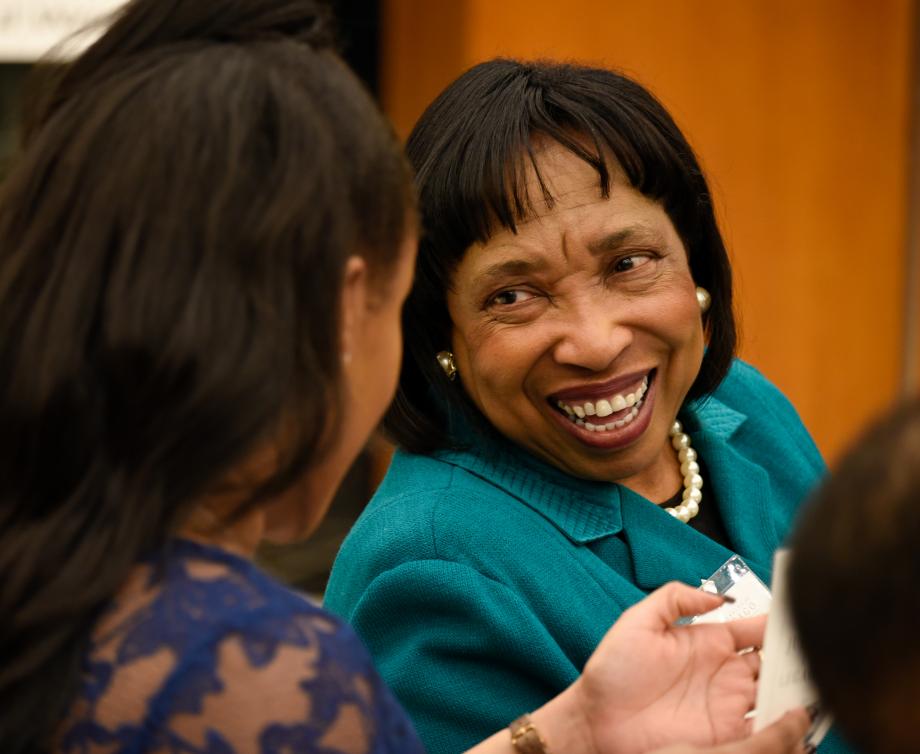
(446, 360)
(703, 299)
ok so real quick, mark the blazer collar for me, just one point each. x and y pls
(664, 548)
(582, 510)
(586, 511)
(739, 480)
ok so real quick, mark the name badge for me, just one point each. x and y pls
(735, 579)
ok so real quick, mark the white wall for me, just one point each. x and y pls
(30, 28)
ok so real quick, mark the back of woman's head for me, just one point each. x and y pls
(172, 240)
(472, 151)
(853, 582)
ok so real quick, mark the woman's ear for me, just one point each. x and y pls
(354, 306)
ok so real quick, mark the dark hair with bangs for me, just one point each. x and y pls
(173, 237)
(471, 150)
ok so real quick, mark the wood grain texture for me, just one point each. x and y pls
(424, 48)
(799, 112)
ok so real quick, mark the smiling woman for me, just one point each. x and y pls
(589, 306)
(573, 428)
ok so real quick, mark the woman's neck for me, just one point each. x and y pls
(660, 480)
(208, 524)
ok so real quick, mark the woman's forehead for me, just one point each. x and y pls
(552, 176)
(562, 192)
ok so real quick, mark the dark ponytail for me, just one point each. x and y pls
(139, 29)
(172, 238)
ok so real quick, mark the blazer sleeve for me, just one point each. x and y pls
(444, 636)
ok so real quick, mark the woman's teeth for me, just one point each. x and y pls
(592, 427)
(605, 407)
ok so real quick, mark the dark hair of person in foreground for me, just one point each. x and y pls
(471, 150)
(854, 580)
(170, 240)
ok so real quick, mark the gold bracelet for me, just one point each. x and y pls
(525, 738)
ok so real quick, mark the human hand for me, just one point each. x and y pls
(651, 683)
(785, 736)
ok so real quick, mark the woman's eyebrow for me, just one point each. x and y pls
(511, 268)
(630, 235)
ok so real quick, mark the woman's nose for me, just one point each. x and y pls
(592, 336)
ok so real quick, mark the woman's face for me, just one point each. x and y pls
(579, 336)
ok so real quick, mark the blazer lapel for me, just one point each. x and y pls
(742, 491)
(664, 548)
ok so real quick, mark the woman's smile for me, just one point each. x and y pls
(608, 405)
(603, 418)
(614, 430)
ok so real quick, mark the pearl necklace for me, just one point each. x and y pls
(693, 482)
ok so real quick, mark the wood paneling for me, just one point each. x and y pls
(799, 113)
(424, 49)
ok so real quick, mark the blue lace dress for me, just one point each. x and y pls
(203, 653)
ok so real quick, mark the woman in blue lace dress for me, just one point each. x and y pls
(204, 248)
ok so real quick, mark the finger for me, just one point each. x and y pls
(747, 632)
(672, 601)
(782, 737)
(752, 660)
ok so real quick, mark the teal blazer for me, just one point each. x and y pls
(482, 580)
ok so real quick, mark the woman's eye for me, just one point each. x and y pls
(510, 297)
(625, 264)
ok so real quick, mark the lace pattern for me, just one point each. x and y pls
(202, 653)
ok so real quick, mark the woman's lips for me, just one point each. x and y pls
(627, 425)
(607, 409)
(623, 384)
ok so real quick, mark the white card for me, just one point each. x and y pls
(784, 681)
